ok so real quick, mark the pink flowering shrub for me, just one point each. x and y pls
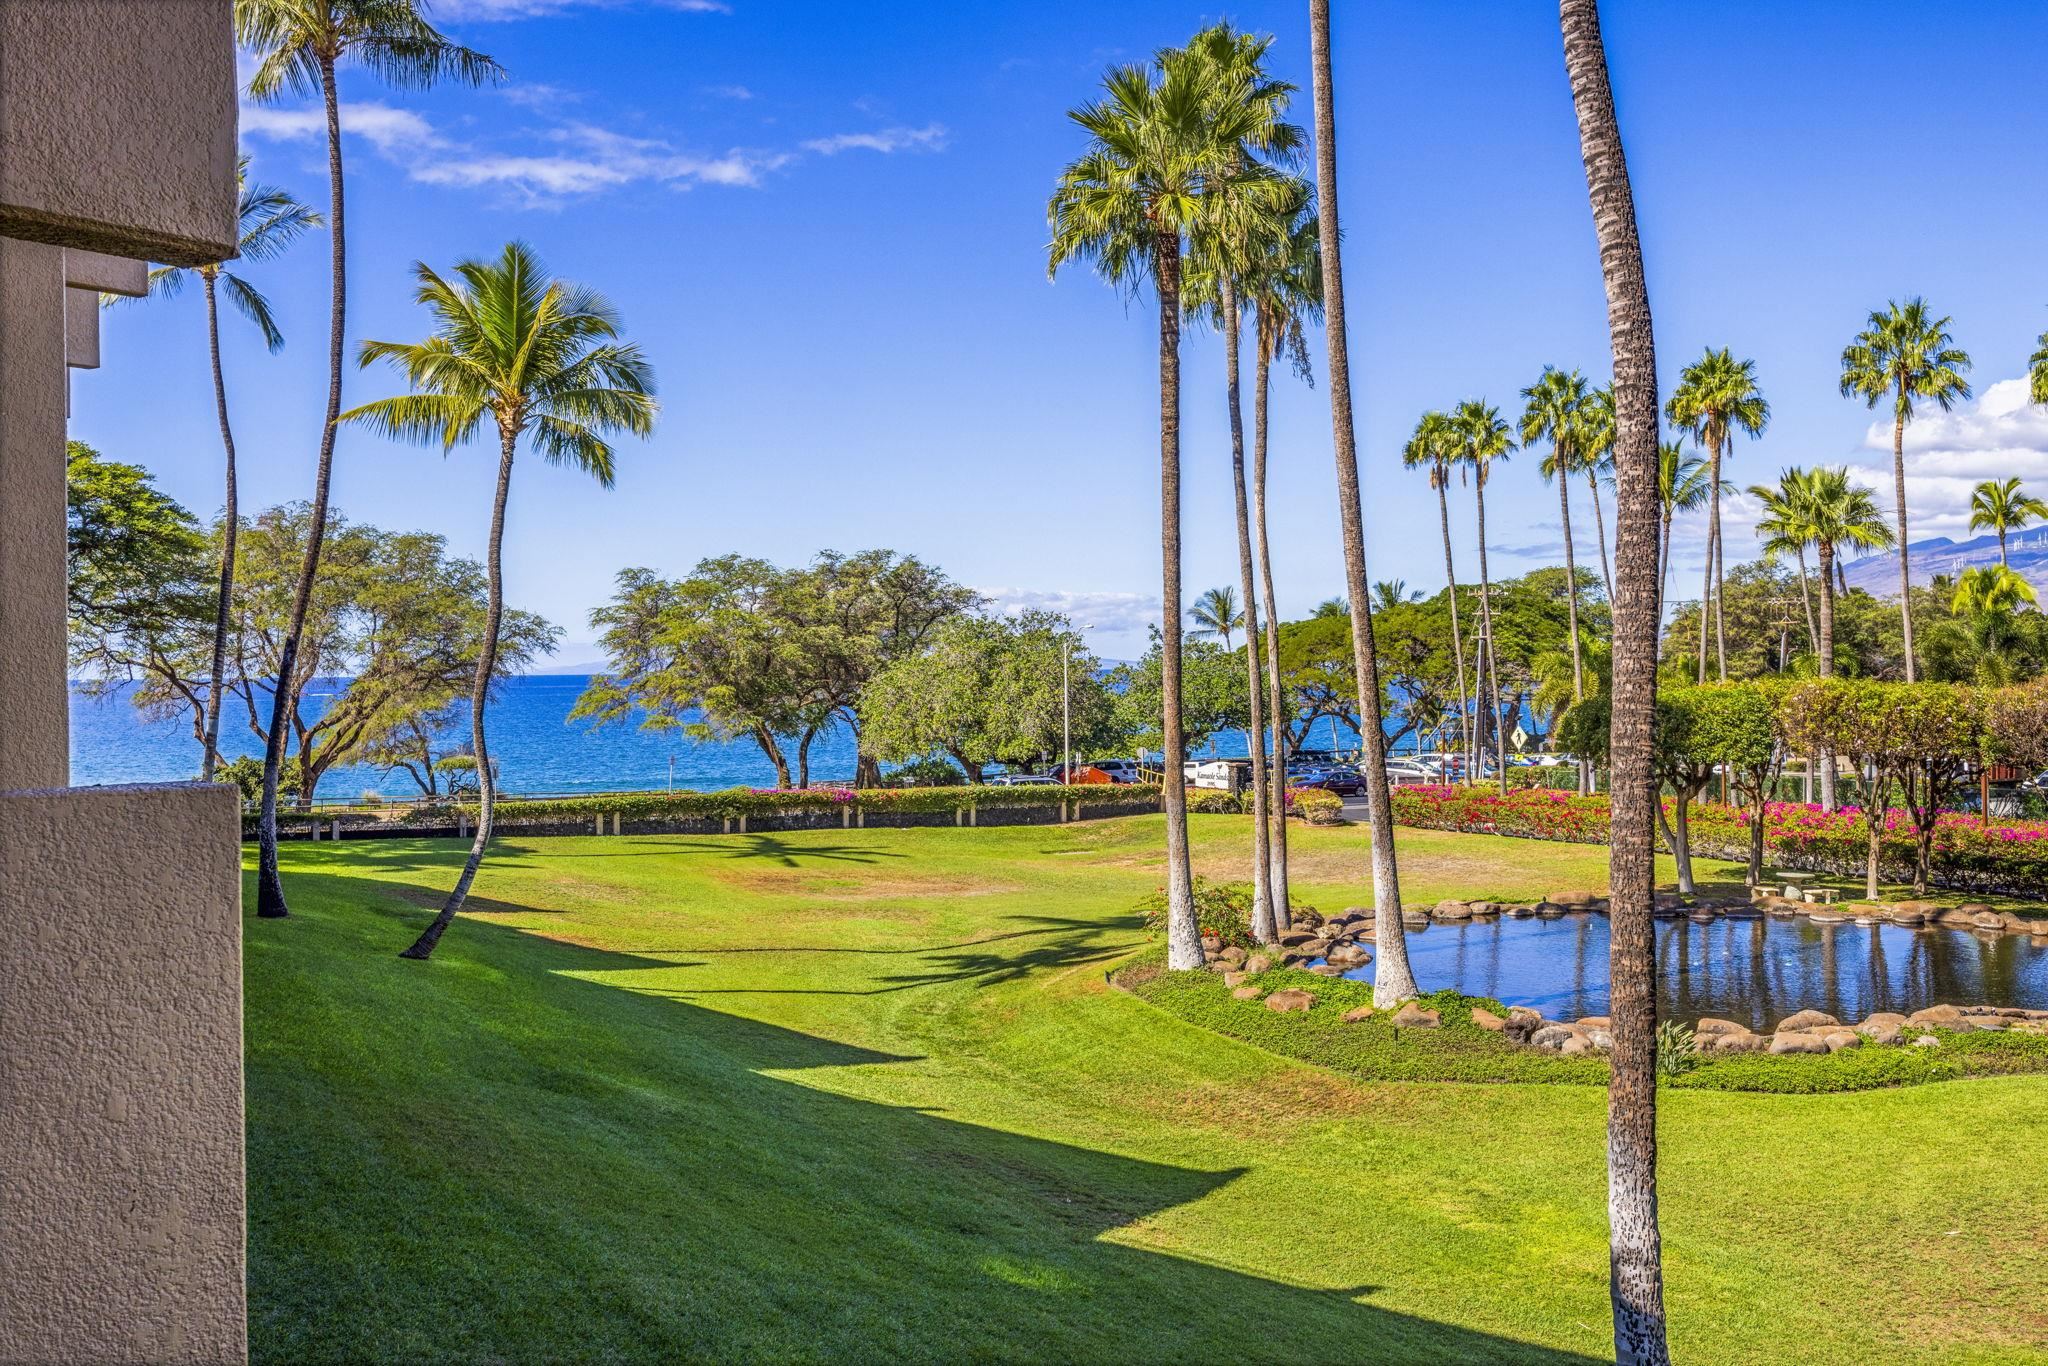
(2009, 856)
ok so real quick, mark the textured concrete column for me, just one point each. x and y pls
(121, 1076)
(35, 723)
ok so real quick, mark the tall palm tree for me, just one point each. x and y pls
(1905, 354)
(1998, 505)
(1391, 593)
(1636, 1260)
(1835, 515)
(1556, 411)
(1393, 980)
(299, 45)
(1216, 615)
(1243, 210)
(1282, 283)
(1127, 205)
(542, 359)
(1989, 596)
(1483, 438)
(267, 220)
(1681, 487)
(1434, 447)
(1782, 531)
(1716, 397)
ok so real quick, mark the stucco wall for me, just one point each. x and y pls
(121, 1076)
(117, 123)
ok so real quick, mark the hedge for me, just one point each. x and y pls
(2008, 858)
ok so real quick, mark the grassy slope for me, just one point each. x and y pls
(863, 1093)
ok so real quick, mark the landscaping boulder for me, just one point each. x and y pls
(1357, 1013)
(1327, 970)
(1907, 914)
(1600, 1038)
(1735, 1041)
(1805, 1019)
(1839, 1039)
(1927, 1041)
(1825, 915)
(1576, 1044)
(1711, 1025)
(1316, 948)
(1295, 938)
(1450, 910)
(1550, 910)
(1257, 962)
(1797, 1043)
(1413, 1016)
(1988, 920)
(1234, 977)
(1290, 998)
(1553, 1035)
(1349, 956)
(1941, 1017)
(1595, 1022)
(1486, 1019)
(1233, 956)
(1307, 916)
(1359, 912)
(1524, 911)
(1883, 1026)
(1575, 901)
(1246, 993)
(2021, 924)
(1522, 1024)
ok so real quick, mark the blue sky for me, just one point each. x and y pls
(825, 224)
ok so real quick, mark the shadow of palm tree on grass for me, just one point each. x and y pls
(500, 1156)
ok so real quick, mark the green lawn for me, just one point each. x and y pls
(866, 1094)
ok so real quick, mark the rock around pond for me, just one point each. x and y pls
(1734, 964)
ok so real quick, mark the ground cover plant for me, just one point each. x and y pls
(847, 1094)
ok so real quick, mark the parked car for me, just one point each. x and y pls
(1018, 780)
(1337, 778)
(1119, 770)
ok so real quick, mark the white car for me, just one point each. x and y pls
(1018, 780)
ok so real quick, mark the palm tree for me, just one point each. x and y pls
(1483, 438)
(2037, 370)
(1434, 448)
(299, 45)
(1904, 354)
(1216, 615)
(1242, 214)
(1126, 205)
(1598, 465)
(1998, 505)
(1989, 596)
(267, 220)
(1391, 593)
(541, 358)
(1556, 411)
(1781, 530)
(1282, 283)
(1392, 978)
(1716, 397)
(1681, 487)
(1834, 515)
(1636, 1260)
(1332, 607)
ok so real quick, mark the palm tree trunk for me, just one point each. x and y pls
(1600, 531)
(1183, 935)
(1489, 675)
(1263, 924)
(1806, 601)
(1826, 662)
(230, 525)
(1905, 556)
(1571, 575)
(1277, 703)
(1393, 981)
(479, 694)
(1440, 476)
(1663, 574)
(1636, 1277)
(2003, 563)
(1707, 595)
(270, 902)
(1720, 568)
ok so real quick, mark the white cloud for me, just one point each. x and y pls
(1115, 613)
(931, 137)
(729, 92)
(537, 95)
(1999, 435)
(390, 130)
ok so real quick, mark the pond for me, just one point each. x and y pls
(1753, 971)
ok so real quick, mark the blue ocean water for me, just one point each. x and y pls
(536, 747)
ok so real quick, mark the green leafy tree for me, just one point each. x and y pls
(1905, 355)
(1717, 396)
(299, 47)
(542, 360)
(986, 690)
(1998, 505)
(267, 221)
(1735, 726)
(137, 580)
(1986, 624)
(1214, 696)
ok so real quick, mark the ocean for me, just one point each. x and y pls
(536, 747)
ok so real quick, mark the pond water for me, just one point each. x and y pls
(1754, 971)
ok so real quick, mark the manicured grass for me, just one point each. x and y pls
(867, 1094)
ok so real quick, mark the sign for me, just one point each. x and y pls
(1520, 737)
